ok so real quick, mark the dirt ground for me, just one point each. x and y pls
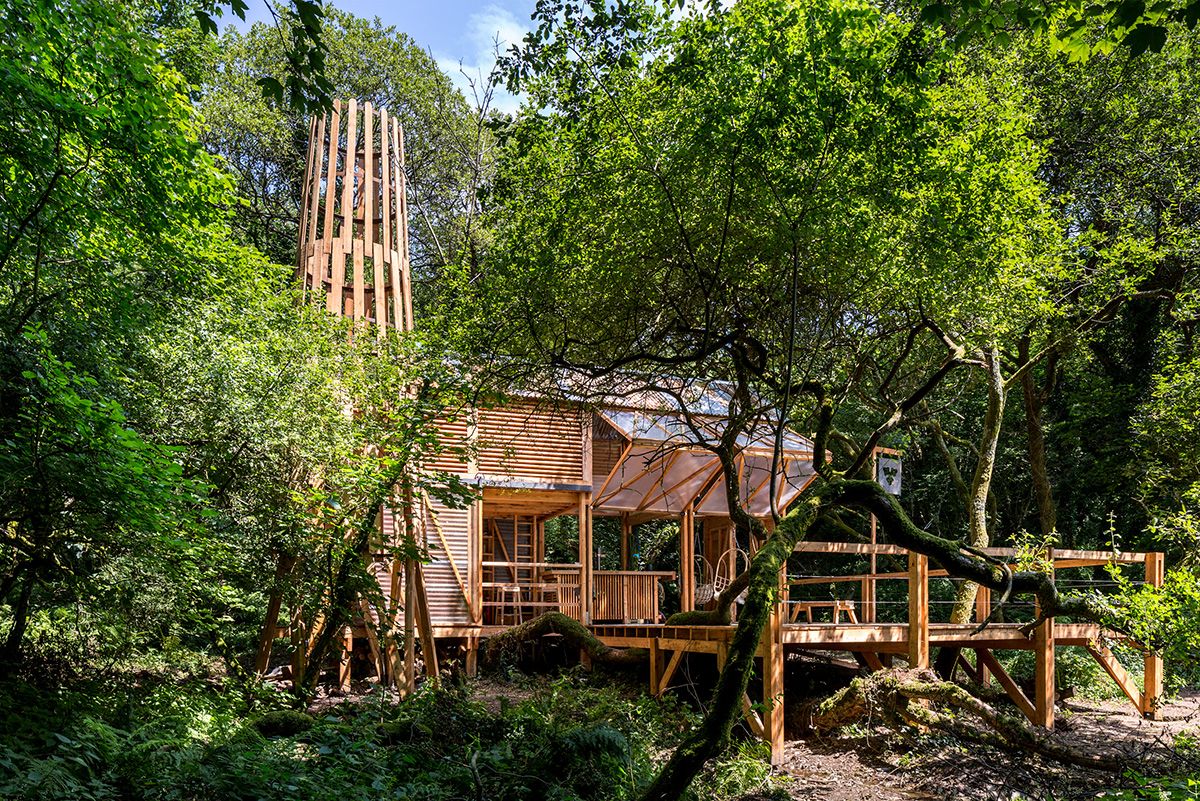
(880, 767)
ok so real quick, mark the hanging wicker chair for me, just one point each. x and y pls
(718, 580)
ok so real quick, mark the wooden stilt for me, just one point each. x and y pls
(585, 659)
(344, 663)
(372, 639)
(981, 668)
(772, 667)
(1043, 683)
(424, 626)
(410, 627)
(1152, 666)
(266, 638)
(472, 656)
(918, 610)
(655, 661)
(299, 647)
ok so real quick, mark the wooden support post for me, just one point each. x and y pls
(772, 666)
(299, 647)
(585, 659)
(472, 656)
(655, 662)
(869, 615)
(410, 627)
(344, 664)
(687, 560)
(425, 626)
(1043, 674)
(983, 608)
(918, 610)
(372, 639)
(586, 557)
(626, 533)
(477, 576)
(868, 600)
(1153, 663)
(266, 638)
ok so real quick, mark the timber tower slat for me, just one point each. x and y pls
(353, 240)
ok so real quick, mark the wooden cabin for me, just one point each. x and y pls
(534, 461)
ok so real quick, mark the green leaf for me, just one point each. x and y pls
(1146, 38)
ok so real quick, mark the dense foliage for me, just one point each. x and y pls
(835, 207)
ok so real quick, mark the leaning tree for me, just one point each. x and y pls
(819, 205)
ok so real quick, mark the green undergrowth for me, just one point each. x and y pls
(565, 738)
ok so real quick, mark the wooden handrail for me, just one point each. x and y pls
(1099, 557)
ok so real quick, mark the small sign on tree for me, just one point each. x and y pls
(888, 471)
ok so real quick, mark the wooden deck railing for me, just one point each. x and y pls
(617, 595)
(627, 595)
(866, 607)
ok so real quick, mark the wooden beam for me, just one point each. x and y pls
(1010, 686)
(472, 662)
(918, 610)
(1117, 672)
(664, 681)
(262, 658)
(666, 466)
(872, 660)
(458, 577)
(425, 626)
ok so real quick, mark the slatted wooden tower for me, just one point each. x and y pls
(353, 238)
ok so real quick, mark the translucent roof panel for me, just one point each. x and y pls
(665, 480)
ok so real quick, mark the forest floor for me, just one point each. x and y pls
(879, 767)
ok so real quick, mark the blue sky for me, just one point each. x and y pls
(455, 31)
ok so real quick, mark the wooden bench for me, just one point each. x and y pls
(836, 608)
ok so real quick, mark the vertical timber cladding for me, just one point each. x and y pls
(447, 532)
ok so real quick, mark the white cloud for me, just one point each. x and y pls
(489, 28)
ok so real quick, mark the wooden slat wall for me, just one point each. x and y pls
(606, 452)
(453, 435)
(525, 442)
(447, 606)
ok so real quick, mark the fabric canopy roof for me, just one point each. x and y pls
(665, 467)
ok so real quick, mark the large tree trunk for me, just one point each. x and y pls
(711, 736)
(10, 654)
(920, 699)
(1035, 399)
(981, 484)
(571, 630)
